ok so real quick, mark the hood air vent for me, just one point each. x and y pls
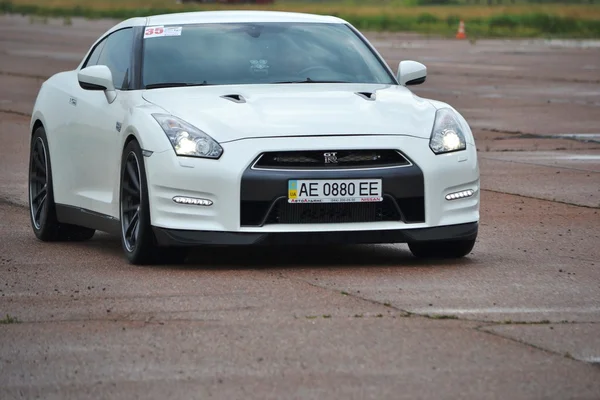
(236, 98)
(367, 95)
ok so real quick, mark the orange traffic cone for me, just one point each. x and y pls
(461, 31)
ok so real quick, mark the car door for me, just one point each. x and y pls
(96, 128)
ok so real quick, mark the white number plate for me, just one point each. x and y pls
(335, 191)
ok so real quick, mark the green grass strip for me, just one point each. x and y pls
(499, 25)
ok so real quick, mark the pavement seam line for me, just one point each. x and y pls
(529, 135)
(587, 171)
(406, 313)
(519, 77)
(437, 317)
(11, 202)
(540, 198)
(566, 355)
(371, 301)
(14, 112)
(21, 75)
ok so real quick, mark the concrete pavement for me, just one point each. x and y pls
(519, 318)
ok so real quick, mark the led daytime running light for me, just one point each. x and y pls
(192, 201)
(460, 195)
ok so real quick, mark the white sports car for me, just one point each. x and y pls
(240, 128)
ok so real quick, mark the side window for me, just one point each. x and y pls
(116, 55)
(93, 59)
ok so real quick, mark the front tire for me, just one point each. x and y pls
(442, 249)
(42, 208)
(137, 238)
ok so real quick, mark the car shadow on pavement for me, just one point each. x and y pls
(326, 256)
(276, 257)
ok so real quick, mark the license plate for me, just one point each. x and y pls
(335, 191)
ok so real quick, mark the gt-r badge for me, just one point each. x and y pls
(330, 158)
(118, 127)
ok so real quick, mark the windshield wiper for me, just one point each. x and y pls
(308, 80)
(174, 84)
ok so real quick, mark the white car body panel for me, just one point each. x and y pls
(86, 145)
(297, 110)
(83, 141)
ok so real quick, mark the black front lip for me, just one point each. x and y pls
(184, 238)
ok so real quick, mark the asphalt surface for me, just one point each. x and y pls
(519, 318)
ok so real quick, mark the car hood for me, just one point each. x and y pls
(277, 110)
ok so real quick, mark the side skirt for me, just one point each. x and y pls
(88, 219)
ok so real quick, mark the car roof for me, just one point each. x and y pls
(208, 17)
(204, 17)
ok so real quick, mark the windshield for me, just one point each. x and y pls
(257, 53)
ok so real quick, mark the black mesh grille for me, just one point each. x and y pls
(413, 209)
(331, 159)
(253, 213)
(323, 213)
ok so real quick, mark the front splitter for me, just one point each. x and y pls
(171, 237)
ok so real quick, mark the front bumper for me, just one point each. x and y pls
(224, 182)
(170, 237)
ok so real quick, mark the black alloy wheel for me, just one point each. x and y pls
(131, 200)
(42, 208)
(137, 237)
(38, 183)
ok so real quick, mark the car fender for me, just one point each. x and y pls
(50, 105)
(141, 125)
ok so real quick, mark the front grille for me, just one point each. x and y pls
(331, 213)
(331, 159)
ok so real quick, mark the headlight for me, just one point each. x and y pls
(447, 134)
(187, 140)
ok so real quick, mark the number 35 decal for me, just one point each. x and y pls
(160, 31)
(154, 31)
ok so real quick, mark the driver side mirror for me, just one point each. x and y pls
(98, 77)
(411, 73)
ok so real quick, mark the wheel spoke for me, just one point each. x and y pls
(129, 190)
(133, 176)
(40, 152)
(40, 194)
(37, 150)
(136, 230)
(39, 164)
(132, 238)
(135, 180)
(130, 208)
(132, 224)
(38, 212)
(38, 179)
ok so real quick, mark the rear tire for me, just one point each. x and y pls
(137, 237)
(42, 208)
(442, 249)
